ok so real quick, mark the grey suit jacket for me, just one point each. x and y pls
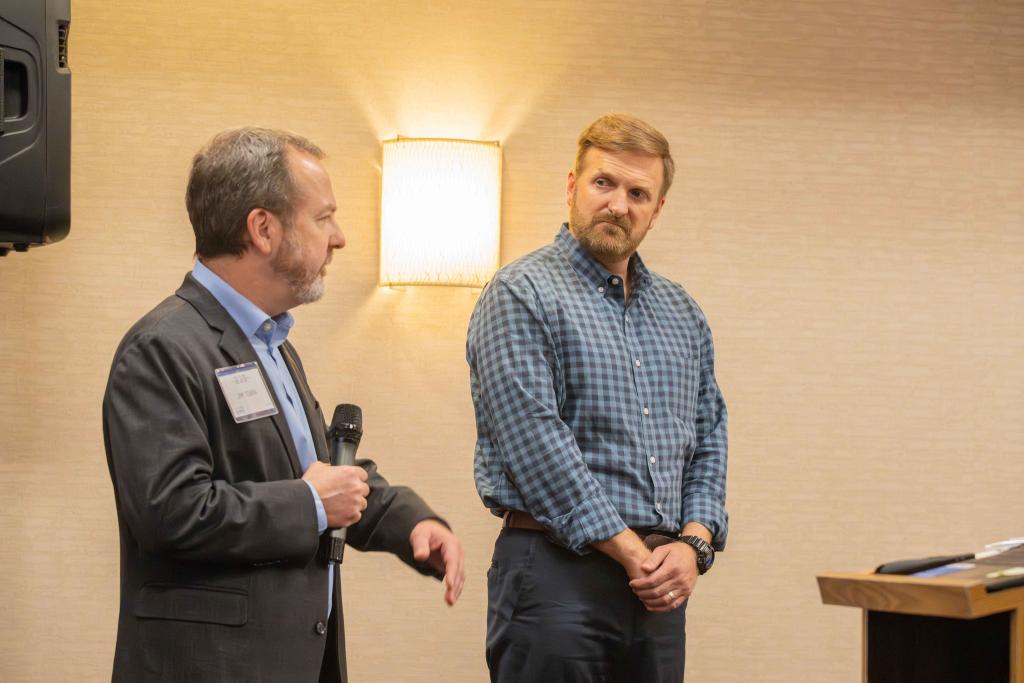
(219, 576)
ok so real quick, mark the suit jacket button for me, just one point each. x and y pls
(321, 628)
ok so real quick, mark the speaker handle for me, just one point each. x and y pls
(1, 91)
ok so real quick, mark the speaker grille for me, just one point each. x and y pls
(62, 45)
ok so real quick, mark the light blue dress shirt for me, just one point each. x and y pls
(266, 334)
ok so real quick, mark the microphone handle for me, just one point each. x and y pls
(343, 452)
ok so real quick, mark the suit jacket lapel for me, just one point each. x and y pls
(237, 347)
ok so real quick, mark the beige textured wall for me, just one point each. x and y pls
(848, 213)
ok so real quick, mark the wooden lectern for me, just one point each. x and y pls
(947, 629)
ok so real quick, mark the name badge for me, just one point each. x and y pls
(246, 392)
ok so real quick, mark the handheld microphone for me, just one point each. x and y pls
(344, 434)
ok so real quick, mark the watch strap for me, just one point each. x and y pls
(705, 552)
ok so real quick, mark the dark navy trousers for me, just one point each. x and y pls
(554, 616)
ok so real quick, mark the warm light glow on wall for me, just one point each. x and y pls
(440, 212)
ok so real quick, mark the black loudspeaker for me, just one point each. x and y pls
(35, 123)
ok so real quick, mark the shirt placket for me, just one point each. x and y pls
(632, 335)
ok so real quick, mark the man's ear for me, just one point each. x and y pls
(570, 186)
(657, 212)
(264, 230)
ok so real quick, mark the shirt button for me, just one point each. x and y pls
(600, 290)
(637, 362)
(320, 628)
(267, 326)
(627, 318)
(653, 460)
(615, 280)
(657, 506)
(647, 411)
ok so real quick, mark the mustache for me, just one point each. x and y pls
(610, 218)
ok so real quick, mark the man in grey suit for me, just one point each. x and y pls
(217, 448)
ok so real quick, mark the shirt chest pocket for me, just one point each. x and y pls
(676, 378)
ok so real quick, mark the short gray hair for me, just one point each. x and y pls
(237, 171)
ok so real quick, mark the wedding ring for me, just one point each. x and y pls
(671, 595)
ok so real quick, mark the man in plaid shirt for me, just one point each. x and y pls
(601, 433)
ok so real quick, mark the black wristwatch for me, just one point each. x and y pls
(705, 553)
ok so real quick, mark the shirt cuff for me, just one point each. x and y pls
(713, 518)
(321, 515)
(593, 520)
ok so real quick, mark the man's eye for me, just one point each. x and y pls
(639, 194)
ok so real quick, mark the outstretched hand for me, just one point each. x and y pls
(435, 545)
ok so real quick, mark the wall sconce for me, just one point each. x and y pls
(440, 212)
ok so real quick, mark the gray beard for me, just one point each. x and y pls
(307, 293)
(305, 288)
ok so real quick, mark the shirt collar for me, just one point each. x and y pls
(593, 272)
(272, 331)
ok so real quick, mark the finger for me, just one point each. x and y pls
(665, 603)
(449, 590)
(450, 550)
(676, 604)
(451, 578)
(454, 570)
(453, 558)
(437, 542)
(420, 546)
(664, 593)
(650, 595)
(645, 582)
(659, 610)
(460, 582)
(658, 578)
(655, 559)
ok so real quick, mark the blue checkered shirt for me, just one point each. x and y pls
(595, 414)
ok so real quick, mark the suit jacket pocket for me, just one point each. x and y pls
(193, 603)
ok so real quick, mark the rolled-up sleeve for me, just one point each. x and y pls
(704, 480)
(514, 371)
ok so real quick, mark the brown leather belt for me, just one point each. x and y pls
(520, 520)
(515, 519)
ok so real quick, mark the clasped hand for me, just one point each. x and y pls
(666, 578)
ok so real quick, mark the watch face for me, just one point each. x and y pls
(705, 552)
(709, 558)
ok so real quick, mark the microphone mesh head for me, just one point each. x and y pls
(348, 420)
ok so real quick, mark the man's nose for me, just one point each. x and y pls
(337, 240)
(617, 204)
